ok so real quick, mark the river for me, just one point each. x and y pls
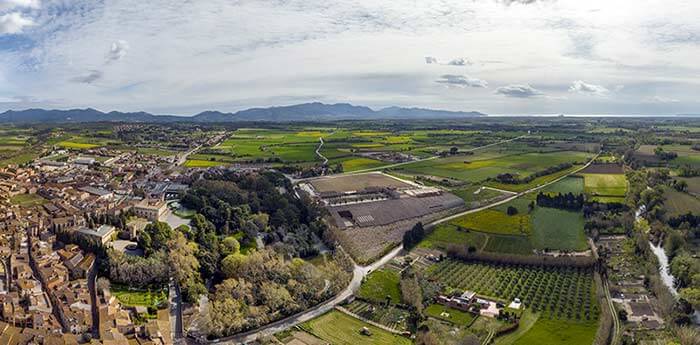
(665, 273)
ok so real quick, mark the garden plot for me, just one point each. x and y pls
(341, 329)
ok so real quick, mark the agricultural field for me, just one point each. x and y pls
(380, 285)
(686, 155)
(558, 229)
(556, 292)
(570, 184)
(677, 203)
(341, 329)
(493, 230)
(443, 235)
(488, 163)
(198, 163)
(605, 187)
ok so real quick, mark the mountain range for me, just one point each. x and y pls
(299, 112)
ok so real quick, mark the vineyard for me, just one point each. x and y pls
(556, 292)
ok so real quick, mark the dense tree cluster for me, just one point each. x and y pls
(263, 286)
(567, 201)
(413, 236)
(509, 178)
(664, 155)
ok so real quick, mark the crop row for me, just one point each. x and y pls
(560, 292)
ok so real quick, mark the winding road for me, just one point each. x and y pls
(361, 271)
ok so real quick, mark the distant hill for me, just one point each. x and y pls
(299, 112)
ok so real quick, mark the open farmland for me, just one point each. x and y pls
(605, 187)
(555, 292)
(558, 229)
(570, 184)
(678, 203)
(341, 329)
(491, 162)
(496, 221)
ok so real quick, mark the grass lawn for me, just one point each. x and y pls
(455, 316)
(137, 297)
(28, 200)
(558, 229)
(380, 284)
(605, 185)
(340, 329)
(445, 234)
(554, 332)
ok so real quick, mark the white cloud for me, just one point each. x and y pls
(580, 86)
(519, 91)
(459, 62)
(461, 81)
(117, 51)
(11, 4)
(226, 54)
(14, 23)
(662, 100)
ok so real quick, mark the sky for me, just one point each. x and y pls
(182, 57)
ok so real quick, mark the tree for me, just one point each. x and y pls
(155, 237)
(231, 264)
(511, 211)
(454, 150)
(230, 245)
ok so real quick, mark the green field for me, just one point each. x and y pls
(340, 329)
(358, 163)
(558, 229)
(137, 297)
(445, 234)
(456, 317)
(491, 162)
(571, 184)
(196, 163)
(555, 332)
(76, 145)
(605, 187)
(380, 284)
(678, 203)
(496, 221)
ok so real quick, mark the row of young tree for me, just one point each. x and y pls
(509, 178)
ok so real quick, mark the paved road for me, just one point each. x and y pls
(318, 152)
